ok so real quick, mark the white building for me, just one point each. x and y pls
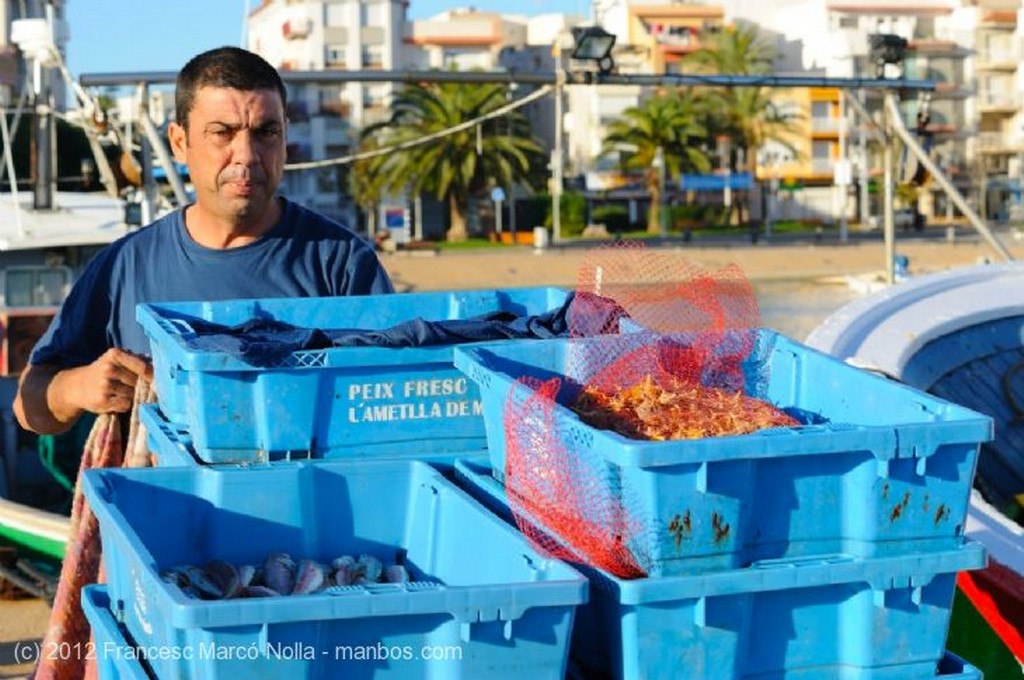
(324, 120)
(463, 39)
(831, 38)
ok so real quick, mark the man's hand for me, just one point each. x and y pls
(107, 385)
(50, 400)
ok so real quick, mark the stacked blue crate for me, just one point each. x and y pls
(845, 535)
(116, 658)
(478, 590)
(171, 446)
(325, 403)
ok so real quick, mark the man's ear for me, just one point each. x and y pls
(179, 142)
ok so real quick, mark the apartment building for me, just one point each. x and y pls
(999, 146)
(651, 38)
(669, 32)
(463, 39)
(830, 38)
(324, 120)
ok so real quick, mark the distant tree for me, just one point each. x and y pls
(747, 115)
(670, 121)
(456, 166)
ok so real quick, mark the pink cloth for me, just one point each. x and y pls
(68, 629)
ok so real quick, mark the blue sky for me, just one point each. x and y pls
(157, 35)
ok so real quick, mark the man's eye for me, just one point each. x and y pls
(268, 133)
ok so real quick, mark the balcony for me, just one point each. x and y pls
(825, 126)
(1003, 18)
(297, 111)
(999, 143)
(823, 166)
(952, 91)
(299, 153)
(675, 38)
(334, 108)
(998, 59)
(936, 48)
(999, 102)
(296, 28)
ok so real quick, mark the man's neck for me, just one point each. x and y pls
(209, 231)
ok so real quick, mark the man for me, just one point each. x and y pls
(237, 240)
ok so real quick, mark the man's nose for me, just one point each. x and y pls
(244, 147)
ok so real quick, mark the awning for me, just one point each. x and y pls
(737, 180)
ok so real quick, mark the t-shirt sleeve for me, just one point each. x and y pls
(364, 274)
(78, 334)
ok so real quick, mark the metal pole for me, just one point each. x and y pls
(148, 182)
(417, 224)
(843, 189)
(8, 143)
(947, 186)
(862, 170)
(45, 136)
(156, 143)
(659, 164)
(889, 191)
(533, 78)
(556, 162)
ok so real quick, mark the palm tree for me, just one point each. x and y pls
(367, 181)
(457, 166)
(668, 121)
(736, 50)
(746, 114)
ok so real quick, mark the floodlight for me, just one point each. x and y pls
(593, 43)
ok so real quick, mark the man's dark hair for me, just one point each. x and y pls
(230, 67)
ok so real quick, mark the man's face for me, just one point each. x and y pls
(235, 150)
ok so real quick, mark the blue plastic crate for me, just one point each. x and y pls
(890, 470)
(326, 402)
(823, 618)
(171, 445)
(116, 657)
(480, 596)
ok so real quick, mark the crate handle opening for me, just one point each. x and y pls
(797, 562)
(182, 326)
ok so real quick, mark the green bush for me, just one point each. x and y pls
(688, 211)
(572, 213)
(615, 218)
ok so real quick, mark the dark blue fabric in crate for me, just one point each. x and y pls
(265, 342)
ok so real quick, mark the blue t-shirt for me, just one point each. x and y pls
(303, 255)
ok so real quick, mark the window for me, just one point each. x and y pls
(821, 110)
(334, 56)
(36, 286)
(840, 21)
(373, 56)
(375, 95)
(821, 150)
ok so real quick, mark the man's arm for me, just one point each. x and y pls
(51, 399)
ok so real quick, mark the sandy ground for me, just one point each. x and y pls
(522, 266)
(23, 622)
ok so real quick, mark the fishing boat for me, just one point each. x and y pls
(48, 234)
(960, 335)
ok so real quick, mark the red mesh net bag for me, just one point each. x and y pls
(680, 366)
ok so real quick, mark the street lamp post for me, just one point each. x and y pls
(556, 162)
(659, 166)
